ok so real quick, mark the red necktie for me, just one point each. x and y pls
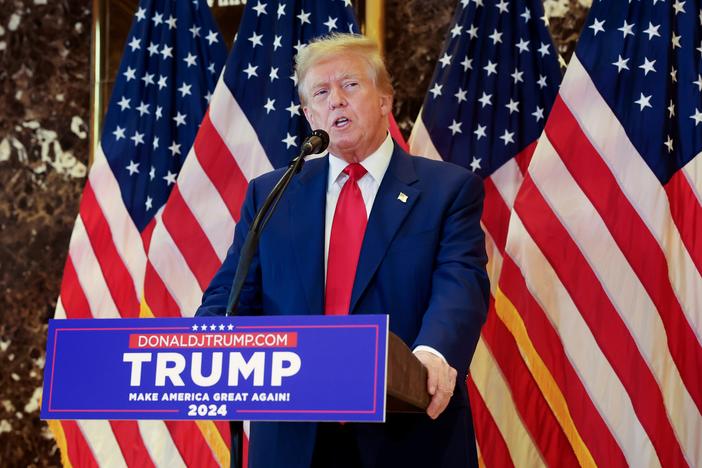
(347, 232)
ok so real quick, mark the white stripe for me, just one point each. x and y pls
(497, 395)
(60, 312)
(125, 235)
(99, 436)
(629, 297)
(159, 444)
(508, 178)
(693, 174)
(602, 384)
(420, 141)
(206, 205)
(90, 276)
(494, 263)
(638, 183)
(171, 267)
(237, 133)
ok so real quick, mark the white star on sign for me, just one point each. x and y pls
(289, 140)
(133, 168)
(644, 101)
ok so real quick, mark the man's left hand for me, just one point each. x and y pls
(441, 381)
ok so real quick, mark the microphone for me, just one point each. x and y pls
(315, 143)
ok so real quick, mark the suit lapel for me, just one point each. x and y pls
(307, 195)
(390, 209)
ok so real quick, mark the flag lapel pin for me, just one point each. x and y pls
(402, 197)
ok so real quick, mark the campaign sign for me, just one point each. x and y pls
(282, 368)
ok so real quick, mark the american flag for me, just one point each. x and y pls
(254, 124)
(604, 239)
(492, 89)
(170, 65)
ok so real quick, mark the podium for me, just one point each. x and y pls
(407, 379)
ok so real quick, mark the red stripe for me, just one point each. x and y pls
(79, 452)
(686, 212)
(492, 445)
(545, 430)
(220, 166)
(245, 452)
(632, 236)
(192, 446)
(72, 297)
(147, 233)
(524, 157)
(495, 215)
(191, 240)
(223, 428)
(157, 296)
(130, 443)
(602, 318)
(396, 134)
(117, 277)
(592, 429)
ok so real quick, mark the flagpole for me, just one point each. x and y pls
(98, 55)
(374, 26)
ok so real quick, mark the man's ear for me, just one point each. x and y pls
(308, 116)
(385, 104)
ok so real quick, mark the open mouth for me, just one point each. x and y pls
(341, 122)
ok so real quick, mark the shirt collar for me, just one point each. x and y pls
(376, 164)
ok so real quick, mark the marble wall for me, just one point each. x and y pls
(44, 96)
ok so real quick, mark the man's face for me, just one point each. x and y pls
(343, 100)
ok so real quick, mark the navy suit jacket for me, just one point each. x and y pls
(422, 262)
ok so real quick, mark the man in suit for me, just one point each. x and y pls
(368, 229)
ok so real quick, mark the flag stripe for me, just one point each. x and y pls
(596, 374)
(492, 386)
(492, 446)
(192, 242)
(238, 135)
(157, 299)
(203, 199)
(611, 267)
(495, 216)
(535, 412)
(593, 429)
(72, 293)
(635, 179)
(420, 141)
(89, 274)
(507, 180)
(221, 168)
(216, 442)
(594, 178)
(117, 277)
(693, 173)
(159, 444)
(79, 452)
(130, 443)
(171, 267)
(100, 437)
(191, 445)
(610, 332)
(686, 212)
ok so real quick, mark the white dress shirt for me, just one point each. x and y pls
(376, 164)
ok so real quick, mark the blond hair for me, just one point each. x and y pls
(335, 45)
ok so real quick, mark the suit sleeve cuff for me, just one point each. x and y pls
(429, 349)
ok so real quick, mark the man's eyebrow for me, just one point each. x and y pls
(345, 76)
